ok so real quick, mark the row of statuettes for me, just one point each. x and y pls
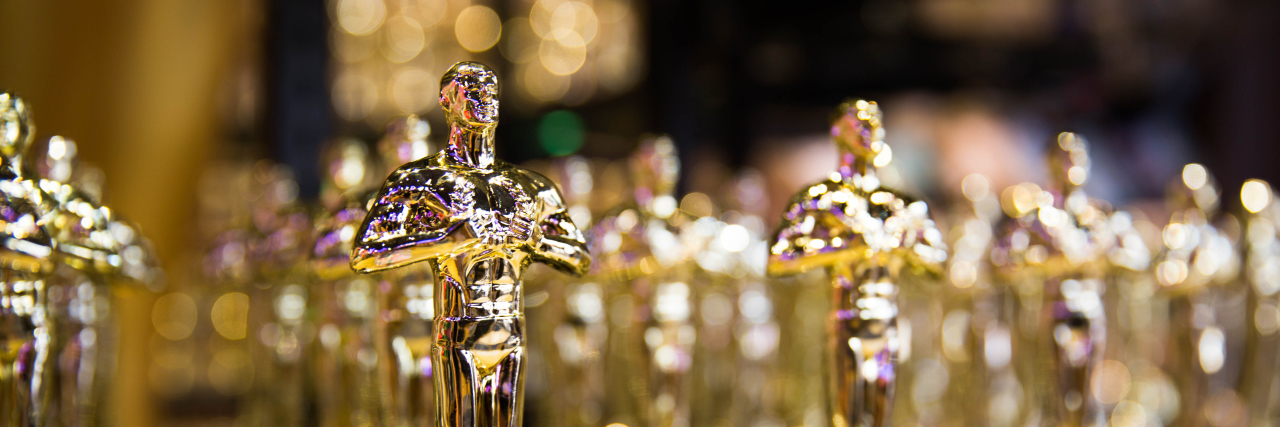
(1039, 305)
(1042, 306)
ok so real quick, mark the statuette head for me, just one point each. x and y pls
(404, 141)
(858, 129)
(469, 95)
(16, 128)
(1069, 161)
(655, 168)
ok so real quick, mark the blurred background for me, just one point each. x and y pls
(162, 95)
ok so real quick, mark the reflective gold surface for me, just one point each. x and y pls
(864, 235)
(1261, 271)
(1058, 250)
(26, 256)
(478, 223)
(79, 297)
(652, 280)
(64, 251)
(1196, 259)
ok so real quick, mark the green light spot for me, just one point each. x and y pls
(560, 133)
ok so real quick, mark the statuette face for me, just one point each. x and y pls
(469, 94)
(477, 222)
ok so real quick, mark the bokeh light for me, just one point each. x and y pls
(1255, 195)
(478, 28)
(174, 316)
(403, 40)
(230, 315)
(563, 56)
(413, 90)
(360, 17)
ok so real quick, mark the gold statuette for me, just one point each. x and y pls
(1058, 251)
(1197, 257)
(1261, 270)
(25, 262)
(478, 223)
(79, 296)
(640, 249)
(863, 234)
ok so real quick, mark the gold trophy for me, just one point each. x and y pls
(755, 374)
(78, 294)
(478, 223)
(345, 375)
(26, 257)
(1261, 270)
(405, 300)
(279, 300)
(1056, 252)
(575, 323)
(976, 334)
(864, 235)
(639, 250)
(1196, 258)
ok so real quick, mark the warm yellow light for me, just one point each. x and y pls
(1111, 381)
(963, 274)
(1129, 414)
(58, 148)
(1212, 350)
(174, 316)
(975, 187)
(1077, 175)
(617, 67)
(573, 17)
(1194, 176)
(1171, 272)
(354, 95)
(520, 43)
(412, 90)
(612, 11)
(352, 49)
(478, 28)
(1255, 194)
(360, 17)
(543, 85)
(884, 157)
(231, 371)
(736, 238)
(563, 57)
(431, 11)
(1025, 197)
(697, 204)
(351, 169)
(1068, 141)
(230, 315)
(404, 39)
(540, 16)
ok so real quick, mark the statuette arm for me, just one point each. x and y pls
(407, 223)
(562, 244)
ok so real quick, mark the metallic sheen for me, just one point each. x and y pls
(641, 248)
(1059, 250)
(25, 251)
(864, 235)
(478, 222)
